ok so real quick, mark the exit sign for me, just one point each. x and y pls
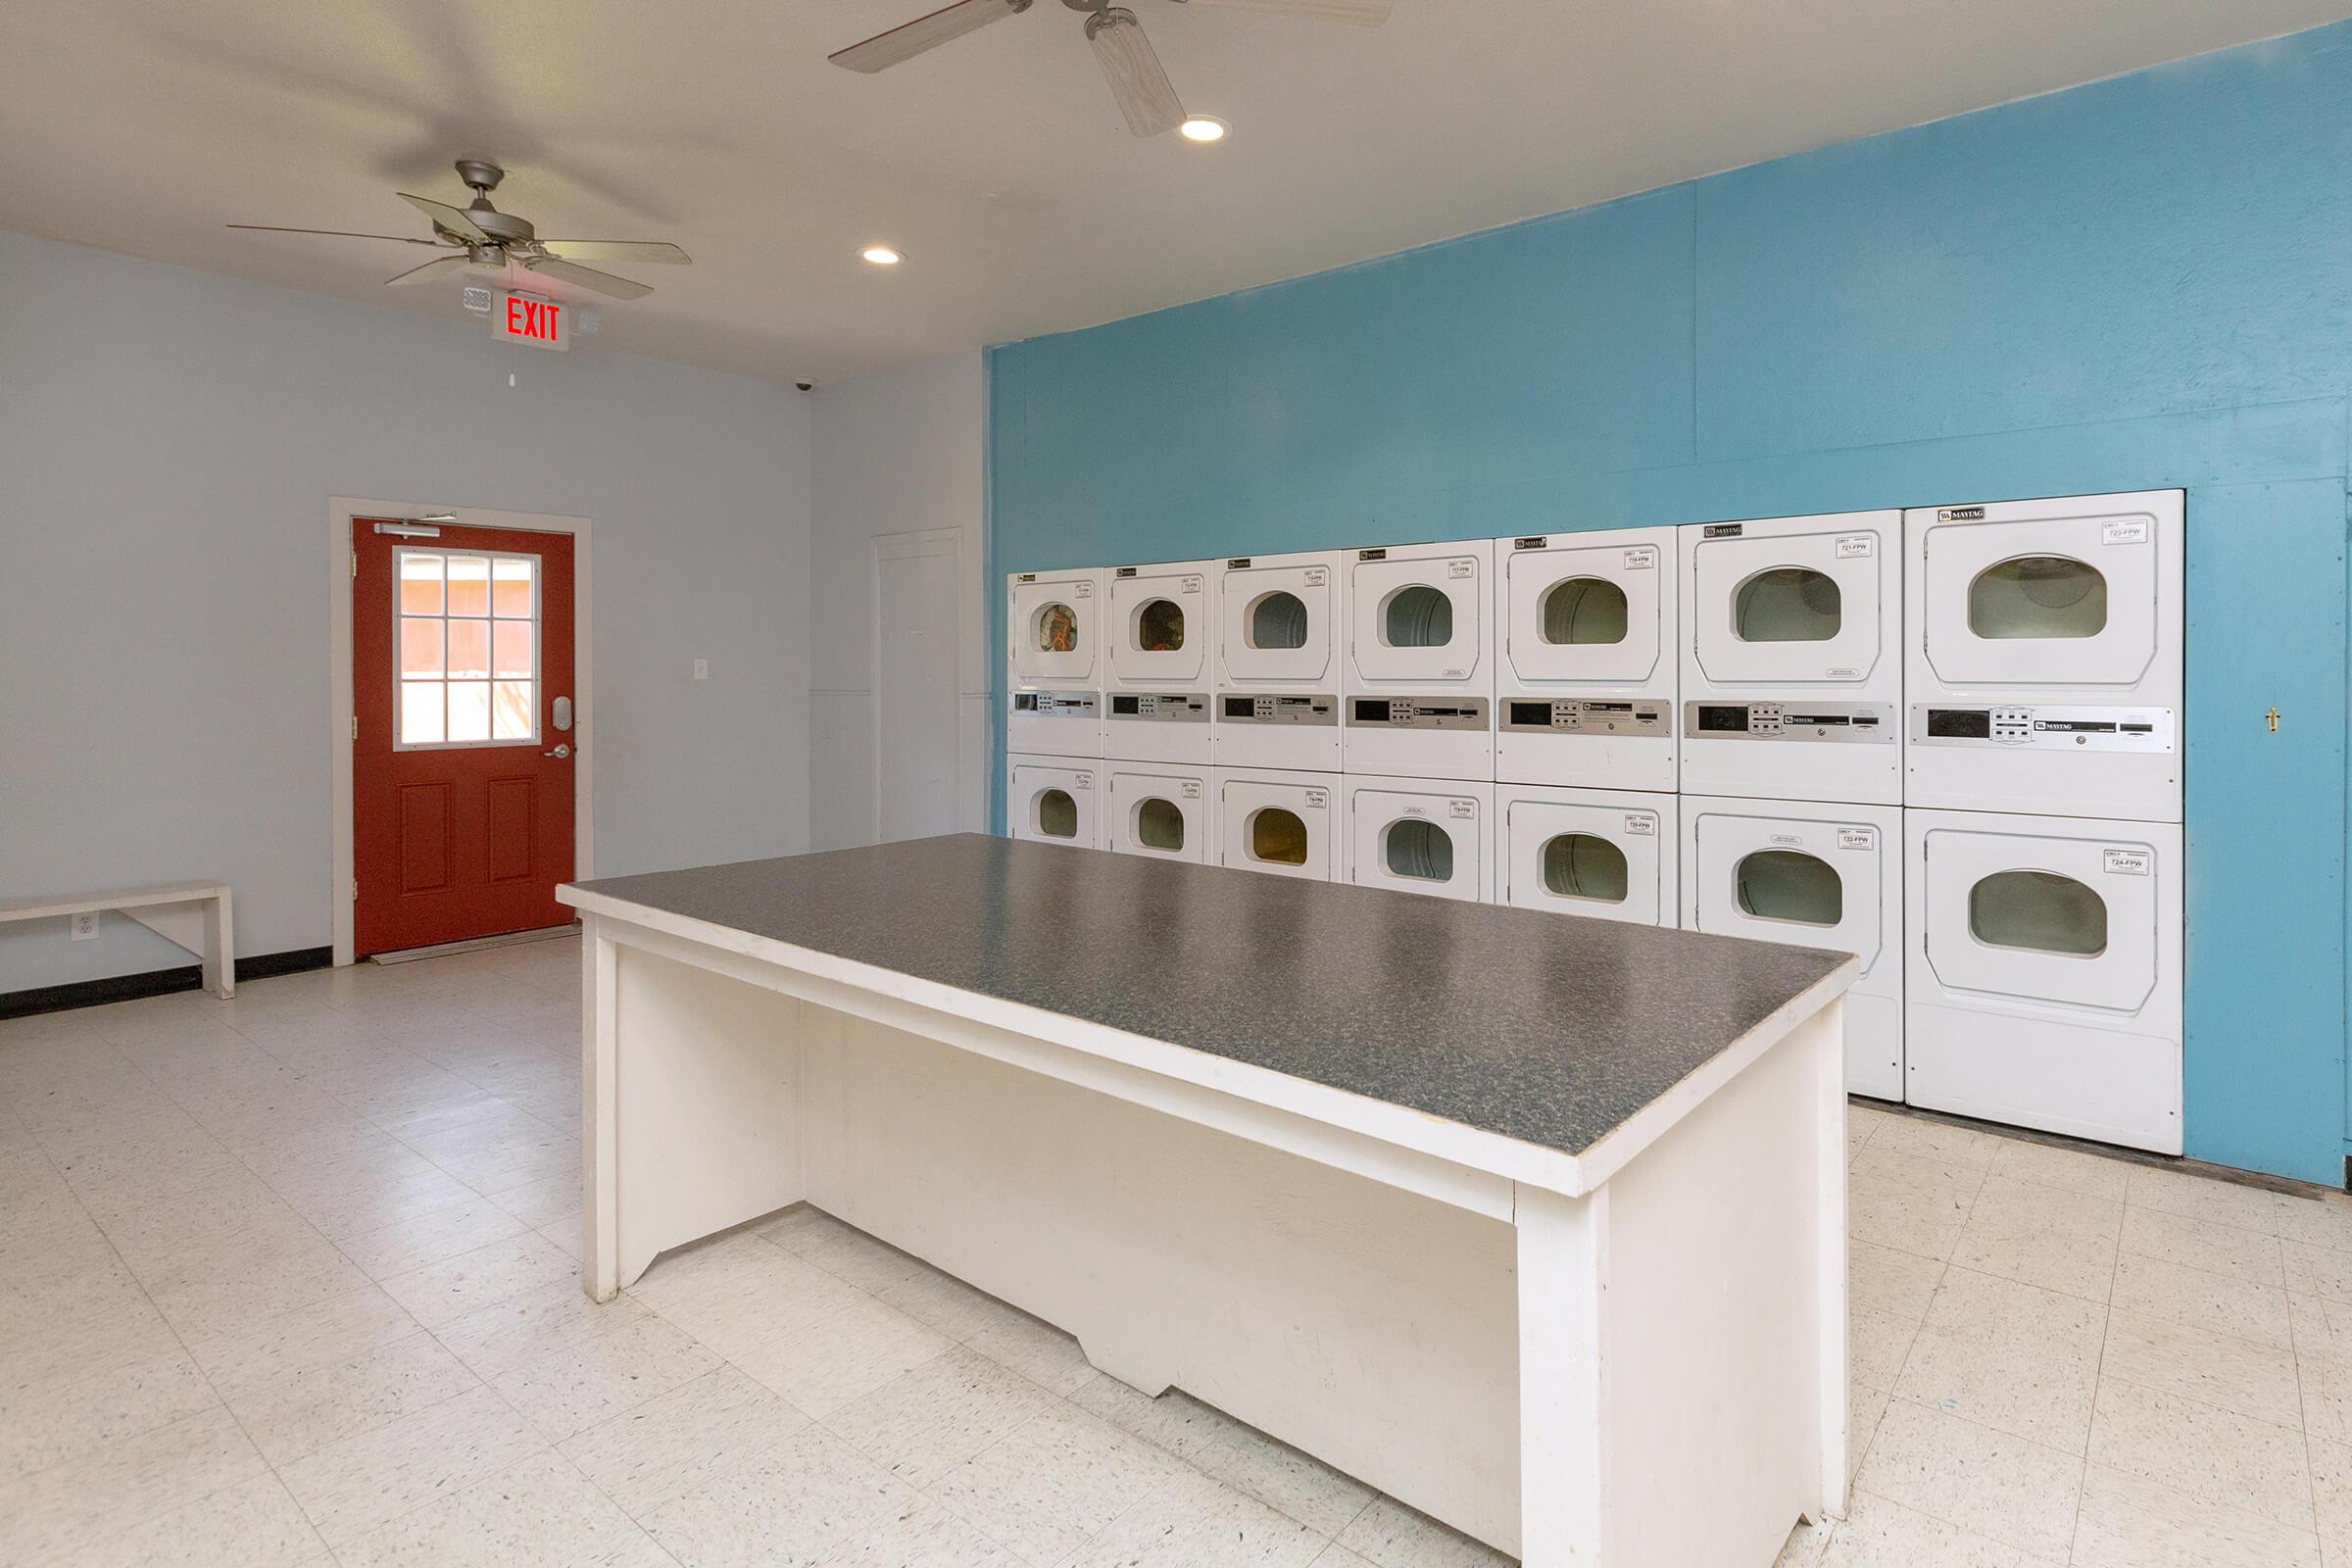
(527, 318)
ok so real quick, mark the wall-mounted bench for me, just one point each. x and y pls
(193, 914)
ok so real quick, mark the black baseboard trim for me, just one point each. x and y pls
(155, 983)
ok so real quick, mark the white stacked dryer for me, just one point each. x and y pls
(1417, 691)
(1792, 668)
(1588, 666)
(1054, 654)
(1053, 800)
(1282, 823)
(1608, 854)
(1166, 810)
(1160, 624)
(2045, 676)
(1421, 835)
(1816, 876)
(1280, 621)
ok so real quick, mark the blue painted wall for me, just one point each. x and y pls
(2142, 283)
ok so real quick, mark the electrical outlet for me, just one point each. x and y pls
(701, 669)
(85, 926)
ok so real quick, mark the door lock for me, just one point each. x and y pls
(562, 750)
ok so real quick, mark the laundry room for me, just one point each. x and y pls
(987, 795)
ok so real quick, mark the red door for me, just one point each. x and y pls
(461, 770)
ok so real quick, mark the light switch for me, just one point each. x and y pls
(701, 669)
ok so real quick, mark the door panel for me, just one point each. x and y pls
(1416, 620)
(1162, 815)
(462, 820)
(1276, 624)
(1160, 628)
(917, 713)
(2064, 920)
(1417, 843)
(1054, 630)
(1053, 805)
(1585, 615)
(2065, 602)
(1799, 609)
(1281, 828)
(1603, 861)
(1763, 877)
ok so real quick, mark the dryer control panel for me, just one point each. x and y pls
(1419, 712)
(1056, 704)
(2068, 727)
(1166, 708)
(1570, 715)
(1868, 723)
(1236, 708)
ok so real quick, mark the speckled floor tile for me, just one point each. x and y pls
(337, 1328)
(927, 1421)
(48, 1423)
(311, 1408)
(542, 1513)
(254, 1524)
(1054, 1483)
(570, 1389)
(2021, 1493)
(2253, 1256)
(2186, 1192)
(75, 1506)
(673, 1442)
(840, 1250)
(1038, 1351)
(2131, 1522)
(1389, 1535)
(2255, 1380)
(2202, 1452)
(432, 1237)
(1284, 1478)
(1910, 1204)
(444, 1291)
(2071, 1170)
(497, 1339)
(2041, 1236)
(2010, 1356)
(1195, 1522)
(1879, 1533)
(1175, 1421)
(2154, 1288)
(792, 1503)
(843, 1356)
(351, 1486)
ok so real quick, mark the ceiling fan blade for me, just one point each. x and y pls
(334, 233)
(615, 249)
(620, 288)
(438, 267)
(1363, 13)
(944, 26)
(1146, 95)
(450, 217)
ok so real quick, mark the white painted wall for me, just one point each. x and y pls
(896, 453)
(169, 440)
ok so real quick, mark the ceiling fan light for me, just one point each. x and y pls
(882, 256)
(1204, 129)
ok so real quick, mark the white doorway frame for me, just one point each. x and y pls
(906, 547)
(340, 512)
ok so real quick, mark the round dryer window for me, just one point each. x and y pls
(1278, 620)
(2039, 912)
(2037, 596)
(1277, 836)
(1583, 865)
(1058, 814)
(1584, 610)
(1159, 825)
(1159, 627)
(1788, 605)
(1058, 629)
(1417, 616)
(1418, 848)
(1790, 884)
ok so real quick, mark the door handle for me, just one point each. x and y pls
(561, 751)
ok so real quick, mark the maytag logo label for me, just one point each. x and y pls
(1724, 530)
(1371, 555)
(1237, 563)
(1533, 541)
(1960, 514)
(1124, 572)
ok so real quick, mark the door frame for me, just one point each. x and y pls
(340, 513)
(910, 545)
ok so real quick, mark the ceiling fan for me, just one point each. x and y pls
(1146, 95)
(484, 236)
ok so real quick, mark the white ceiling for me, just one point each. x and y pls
(998, 164)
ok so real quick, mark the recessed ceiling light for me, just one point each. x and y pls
(882, 256)
(1203, 128)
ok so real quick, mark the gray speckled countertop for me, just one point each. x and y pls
(1541, 1027)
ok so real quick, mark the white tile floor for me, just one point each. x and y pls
(291, 1280)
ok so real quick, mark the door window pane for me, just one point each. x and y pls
(420, 720)
(1584, 609)
(1786, 605)
(469, 585)
(468, 710)
(1278, 836)
(1160, 628)
(2040, 911)
(1058, 629)
(1159, 825)
(2037, 596)
(451, 650)
(511, 589)
(1418, 848)
(468, 650)
(1418, 617)
(419, 585)
(1276, 620)
(1058, 814)
(1584, 866)
(420, 645)
(515, 642)
(511, 711)
(1787, 884)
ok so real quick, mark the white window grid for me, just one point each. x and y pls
(489, 558)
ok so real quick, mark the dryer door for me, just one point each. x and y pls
(1416, 620)
(1585, 615)
(1054, 805)
(1162, 815)
(1054, 630)
(1277, 623)
(1816, 884)
(1416, 841)
(1159, 631)
(1281, 828)
(2065, 920)
(1790, 609)
(1604, 861)
(2063, 602)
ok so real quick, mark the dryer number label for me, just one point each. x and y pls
(1641, 826)
(1082, 590)
(1857, 838)
(1642, 558)
(1318, 575)
(1317, 797)
(1463, 811)
(1083, 781)
(2128, 862)
(1192, 791)
(1458, 569)
(2127, 531)
(1189, 585)
(1857, 545)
